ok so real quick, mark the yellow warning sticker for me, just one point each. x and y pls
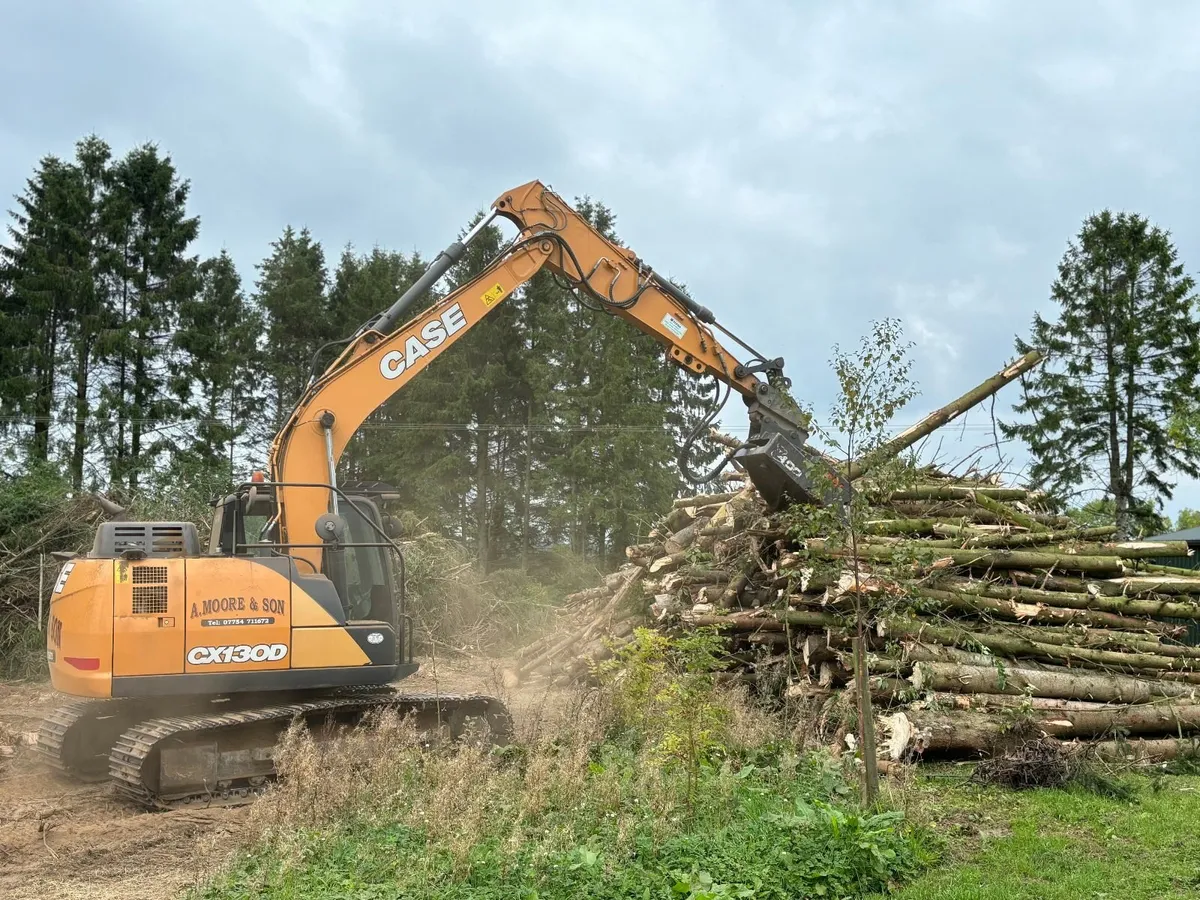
(121, 572)
(492, 294)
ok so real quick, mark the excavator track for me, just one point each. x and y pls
(76, 738)
(225, 759)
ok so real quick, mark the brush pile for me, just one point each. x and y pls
(983, 610)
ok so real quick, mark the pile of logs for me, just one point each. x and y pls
(984, 609)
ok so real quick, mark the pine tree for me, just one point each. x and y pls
(148, 275)
(54, 310)
(38, 271)
(217, 369)
(1124, 355)
(90, 314)
(291, 294)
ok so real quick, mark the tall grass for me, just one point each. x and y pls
(580, 805)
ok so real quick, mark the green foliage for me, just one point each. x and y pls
(1188, 518)
(1123, 357)
(771, 835)
(36, 519)
(1144, 516)
(217, 372)
(662, 688)
(291, 293)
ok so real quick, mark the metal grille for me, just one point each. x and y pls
(149, 574)
(169, 539)
(150, 600)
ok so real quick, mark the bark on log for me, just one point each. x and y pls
(947, 413)
(774, 620)
(683, 538)
(1038, 538)
(1008, 513)
(667, 563)
(725, 440)
(918, 651)
(1029, 613)
(1128, 606)
(1016, 646)
(705, 500)
(988, 559)
(1005, 701)
(1073, 685)
(1139, 751)
(957, 492)
(900, 526)
(975, 730)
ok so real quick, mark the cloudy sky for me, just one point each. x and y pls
(804, 167)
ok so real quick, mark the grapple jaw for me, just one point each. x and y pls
(780, 464)
(784, 473)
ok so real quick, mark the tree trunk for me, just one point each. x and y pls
(979, 731)
(1018, 646)
(526, 490)
(992, 559)
(1022, 612)
(947, 413)
(481, 496)
(1065, 685)
(79, 442)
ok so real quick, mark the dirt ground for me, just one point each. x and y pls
(62, 839)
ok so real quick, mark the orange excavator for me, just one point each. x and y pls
(187, 662)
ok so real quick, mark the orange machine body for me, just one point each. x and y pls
(157, 627)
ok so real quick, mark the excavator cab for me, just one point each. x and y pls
(359, 564)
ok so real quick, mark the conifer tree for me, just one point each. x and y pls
(37, 272)
(1124, 355)
(149, 275)
(217, 369)
(291, 293)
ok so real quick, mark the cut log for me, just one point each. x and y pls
(1038, 538)
(705, 500)
(1065, 685)
(952, 492)
(1005, 701)
(978, 731)
(772, 620)
(683, 538)
(1125, 606)
(900, 526)
(917, 651)
(668, 563)
(1018, 646)
(981, 498)
(1027, 612)
(1139, 751)
(725, 440)
(988, 559)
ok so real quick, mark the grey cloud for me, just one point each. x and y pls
(803, 167)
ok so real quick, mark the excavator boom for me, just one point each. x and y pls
(382, 358)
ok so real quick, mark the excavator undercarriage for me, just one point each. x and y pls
(220, 752)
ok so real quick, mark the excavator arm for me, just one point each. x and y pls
(382, 358)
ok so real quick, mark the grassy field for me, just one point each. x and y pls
(1051, 844)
